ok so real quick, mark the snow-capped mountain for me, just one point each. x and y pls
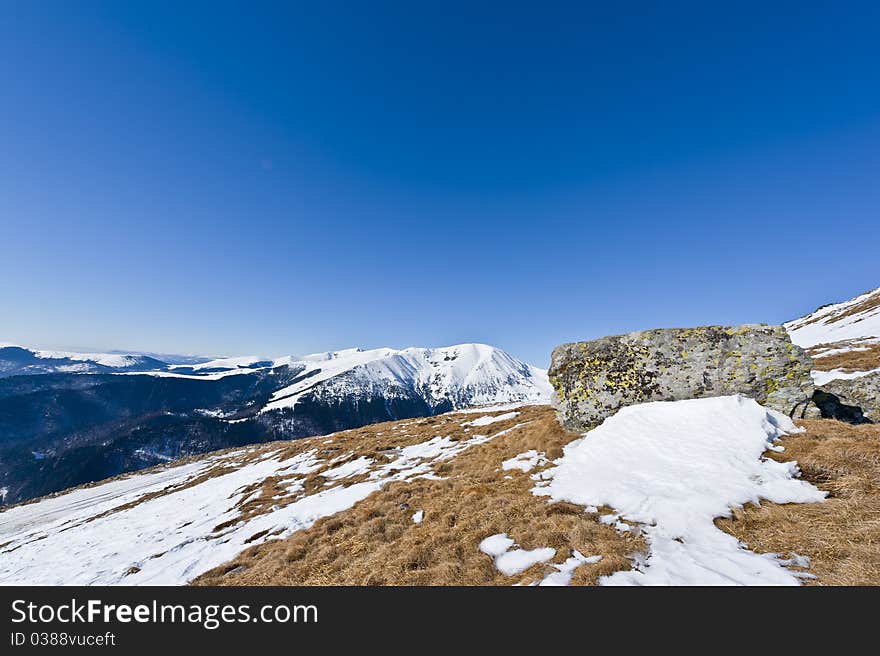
(90, 416)
(18, 361)
(453, 377)
(457, 376)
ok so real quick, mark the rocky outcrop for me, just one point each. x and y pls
(592, 380)
(854, 400)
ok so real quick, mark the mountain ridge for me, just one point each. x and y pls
(71, 426)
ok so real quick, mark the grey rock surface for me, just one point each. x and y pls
(854, 400)
(592, 380)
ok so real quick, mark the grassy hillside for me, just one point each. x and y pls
(376, 541)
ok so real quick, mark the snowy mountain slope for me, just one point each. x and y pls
(460, 376)
(452, 377)
(857, 318)
(674, 466)
(842, 338)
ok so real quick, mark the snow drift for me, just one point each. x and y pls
(673, 467)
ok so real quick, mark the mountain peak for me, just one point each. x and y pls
(460, 375)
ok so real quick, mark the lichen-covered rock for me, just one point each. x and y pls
(592, 380)
(854, 400)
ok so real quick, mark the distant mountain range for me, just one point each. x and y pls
(20, 361)
(72, 418)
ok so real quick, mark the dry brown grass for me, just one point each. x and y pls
(377, 543)
(856, 360)
(870, 303)
(842, 535)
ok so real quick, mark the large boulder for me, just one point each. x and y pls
(855, 400)
(592, 380)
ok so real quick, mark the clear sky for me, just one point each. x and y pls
(249, 178)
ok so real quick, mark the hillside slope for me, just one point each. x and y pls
(492, 497)
(842, 338)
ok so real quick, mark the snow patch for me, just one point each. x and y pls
(525, 461)
(495, 545)
(823, 377)
(513, 562)
(355, 467)
(488, 419)
(673, 467)
(565, 571)
(853, 346)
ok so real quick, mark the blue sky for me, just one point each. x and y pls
(238, 178)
